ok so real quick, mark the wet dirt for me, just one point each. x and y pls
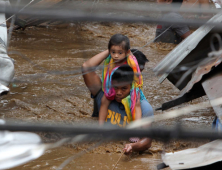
(49, 88)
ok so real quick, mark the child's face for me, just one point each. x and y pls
(117, 53)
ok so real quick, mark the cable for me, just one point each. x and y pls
(131, 7)
(17, 12)
(77, 16)
(117, 133)
(175, 113)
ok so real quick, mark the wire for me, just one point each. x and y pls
(17, 12)
(131, 7)
(117, 133)
(78, 15)
(175, 113)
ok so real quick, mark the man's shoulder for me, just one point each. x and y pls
(173, 15)
(146, 108)
(114, 106)
(145, 103)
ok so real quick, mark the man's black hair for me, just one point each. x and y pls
(124, 74)
(119, 39)
(178, 3)
(141, 58)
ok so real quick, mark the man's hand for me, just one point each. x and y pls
(128, 149)
(142, 145)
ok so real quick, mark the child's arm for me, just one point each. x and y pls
(138, 109)
(103, 109)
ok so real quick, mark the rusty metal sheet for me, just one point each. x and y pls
(183, 52)
(200, 72)
(212, 87)
(194, 88)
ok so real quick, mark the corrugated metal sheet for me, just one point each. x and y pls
(201, 71)
(194, 87)
(193, 48)
(212, 87)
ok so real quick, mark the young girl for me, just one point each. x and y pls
(119, 54)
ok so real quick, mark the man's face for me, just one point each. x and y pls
(122, 90)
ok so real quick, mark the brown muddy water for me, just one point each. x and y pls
(41, 96)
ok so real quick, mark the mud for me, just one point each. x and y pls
(49, 88)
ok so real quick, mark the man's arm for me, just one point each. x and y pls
(92, 80)
(142, 145)
(186, 35)
(181, 29)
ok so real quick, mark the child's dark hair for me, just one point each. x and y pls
(123, 74)
(141, 58)
(119, 39)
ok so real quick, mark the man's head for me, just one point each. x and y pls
(119, 46)
(122, 80)
(141, 58)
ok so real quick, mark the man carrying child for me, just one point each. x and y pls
(121, 80)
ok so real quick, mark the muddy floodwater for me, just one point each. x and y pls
(49, 88)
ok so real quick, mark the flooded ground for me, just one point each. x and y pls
(49, 88)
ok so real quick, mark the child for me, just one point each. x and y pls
(119, 50)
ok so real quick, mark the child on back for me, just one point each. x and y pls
(120, 54)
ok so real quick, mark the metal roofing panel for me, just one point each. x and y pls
(179, 53)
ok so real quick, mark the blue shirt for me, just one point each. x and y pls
(116, 111)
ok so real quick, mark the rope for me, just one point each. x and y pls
(118, 160)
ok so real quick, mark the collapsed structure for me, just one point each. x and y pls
(194, 67)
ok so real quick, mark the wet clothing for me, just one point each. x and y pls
(116, 112)
(95, 109)
(174, 33)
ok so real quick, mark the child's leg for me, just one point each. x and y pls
(103, 109)
(138, 110)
